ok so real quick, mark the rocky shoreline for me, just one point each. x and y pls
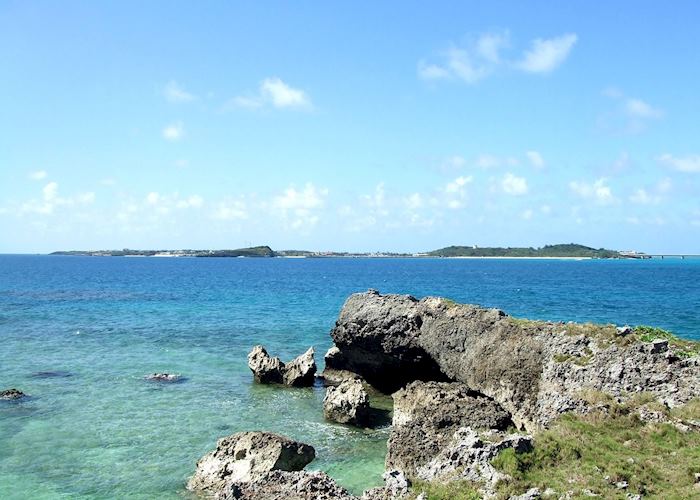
(468, 384)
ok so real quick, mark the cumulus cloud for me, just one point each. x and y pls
(632, 114)
(598, 191)
(50, 200)
(455, 192)
(230, 210)
(535, 158)
(514, 185)
(173, 92)
(273, 92)
(546, 54)
(687, 164)
(38, 175)
(469, 64)
(174, 132)
(300, 208)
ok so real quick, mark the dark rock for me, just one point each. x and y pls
(377, 337)
(281, 485)
(301, 370)
(535, 370)
(52, 374)
(427, 414)
(12, 394)
(164, 377)
(266, 369)
(246, 457)
(347, 403)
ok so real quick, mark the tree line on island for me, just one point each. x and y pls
(559, 250)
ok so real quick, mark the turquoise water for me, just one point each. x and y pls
(98, 430)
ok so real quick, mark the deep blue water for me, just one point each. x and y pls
(104, 432)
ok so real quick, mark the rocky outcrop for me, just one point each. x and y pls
(334, 372)
(299, 372)
(12, 394)
(246, 457)
(426, 416)
(468, 457)
(534, 370)
(348, 403)
(164, 377)
(281, 485)
(378, 339)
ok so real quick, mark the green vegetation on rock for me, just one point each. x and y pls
(561, 250)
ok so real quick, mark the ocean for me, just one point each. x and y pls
(79, 334)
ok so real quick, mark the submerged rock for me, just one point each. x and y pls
(52, 374)
(281, 485)
(535, 370)
(426, 416)
(299, 372)
(245, 457)
(12, 394)
(348, 403)
(164, 377)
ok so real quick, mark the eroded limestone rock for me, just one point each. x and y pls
(348, 403)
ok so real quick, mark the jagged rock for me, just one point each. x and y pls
(268, 370)
(396, 483)
(348, 403)
(334, 373)
(530, 494)
(301, 370)
(281, 485)
(468, 457)
(163, 377)
(535, 370)
(246, 457)
(12, 394)
(378, 339)
(427, 414)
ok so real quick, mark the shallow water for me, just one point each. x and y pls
(95, 429)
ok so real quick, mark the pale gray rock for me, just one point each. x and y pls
(426, 416)
(347, 403)
(281, 485)
(245, 457)
(301, 370)
(468, 457)
(266, 369)
(163, 377)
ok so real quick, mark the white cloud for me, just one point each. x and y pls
(273, 92)
(414, 201)
(535, 158)
(299, 208)
(231, 210)
(50, 200)
(282, 95)
(456, 192)
(514, 185)
(175, 93)
(599, 191)
(194, 201)
(527, 214)
(153, 198)
(181, 163)
(688, 164)
(641, 197)
(38, 175)
(174, 132)
(639, 109)
(50, 191)
(487, 161)
(546, 209)
(545, 55)
(469, 64)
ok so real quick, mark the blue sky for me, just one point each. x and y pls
(400, 126)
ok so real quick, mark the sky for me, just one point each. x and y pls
(358, 126)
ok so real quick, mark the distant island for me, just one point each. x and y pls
(567, 250)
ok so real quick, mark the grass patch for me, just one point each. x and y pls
(455, 490)
(682, 348)
(596, 451)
